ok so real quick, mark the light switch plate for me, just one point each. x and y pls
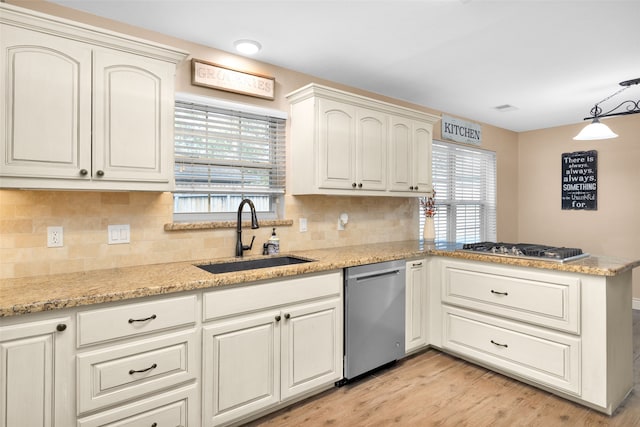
(303, 225)
(119, 234)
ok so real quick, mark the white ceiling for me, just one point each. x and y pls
(552, 60)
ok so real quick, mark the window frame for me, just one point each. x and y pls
(449, 207)
(276, 202)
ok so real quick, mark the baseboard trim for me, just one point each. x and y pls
(635, 304)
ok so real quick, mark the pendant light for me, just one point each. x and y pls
(596, 130)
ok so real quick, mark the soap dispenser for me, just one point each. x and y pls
(274, 243)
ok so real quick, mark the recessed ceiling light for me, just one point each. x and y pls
(248, 47)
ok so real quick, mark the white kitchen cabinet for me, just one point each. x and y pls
(311, 351)
(352, 145)
(132, 355)
(169, 409)
(36, 373)
(83, 108)
(346, 144)
(241, 372)
(567, 333)
(410, 156)
(416, 305)
(290, 347)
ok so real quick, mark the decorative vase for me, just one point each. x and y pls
(429, 229)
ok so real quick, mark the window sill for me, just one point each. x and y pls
(215, 225)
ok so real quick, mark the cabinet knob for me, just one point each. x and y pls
(353, 185)
(287, 316)
(61, 327)
(100, 173)
(278, 318)
(416, 188)
(83, 172)
(360, 185)
(411, 188)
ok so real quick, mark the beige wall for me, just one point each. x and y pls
(24, 215)
(614, 228)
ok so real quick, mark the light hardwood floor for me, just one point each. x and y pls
(435, 389)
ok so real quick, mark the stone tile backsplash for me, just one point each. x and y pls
(84, 216)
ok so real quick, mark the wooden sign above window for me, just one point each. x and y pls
(215, 76)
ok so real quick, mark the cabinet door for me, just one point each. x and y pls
(241, 372)
(311, 346)
(416, 303)
(400, 155)
(45, 112)
(337, 145)
(133, 118)
(36, 374)
(371, 150)
(422, 138)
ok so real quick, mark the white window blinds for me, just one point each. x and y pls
(222, 151)
(464, 179)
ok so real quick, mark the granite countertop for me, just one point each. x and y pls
(42, 293)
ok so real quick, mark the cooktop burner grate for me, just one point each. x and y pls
(526, 250)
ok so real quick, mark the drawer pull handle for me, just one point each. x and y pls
(499, 293)
(153, 316)
(133, 371)
(498, 344)
(416, 264)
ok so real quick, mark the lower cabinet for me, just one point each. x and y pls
(416, 306)
(168, 409)
(256, 360)
(568, 333)
(36, 373)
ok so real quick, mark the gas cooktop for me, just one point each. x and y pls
(525, 251)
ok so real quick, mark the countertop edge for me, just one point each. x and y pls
(101, 286)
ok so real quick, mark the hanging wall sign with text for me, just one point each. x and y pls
(580, 180)
(216, 76)
(461, 131)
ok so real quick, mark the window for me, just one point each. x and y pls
(224, 154)
(464, 179)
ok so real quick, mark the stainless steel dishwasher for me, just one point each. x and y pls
(374, 316)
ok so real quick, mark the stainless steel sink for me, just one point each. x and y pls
(252, 264)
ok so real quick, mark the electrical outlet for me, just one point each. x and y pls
(55, 237)
(303, 225)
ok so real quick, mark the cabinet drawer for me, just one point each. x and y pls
(129, 320)
(546, 357)
(124, 372)
(545, 299)
(171, 409)
(258, 297)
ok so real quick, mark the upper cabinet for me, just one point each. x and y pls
(83, 108)
(346, 144)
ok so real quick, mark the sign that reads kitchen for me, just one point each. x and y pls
(461, 131)
(215, 76)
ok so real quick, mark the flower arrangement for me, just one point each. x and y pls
(428, 204)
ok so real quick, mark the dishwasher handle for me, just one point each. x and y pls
(376, 275)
